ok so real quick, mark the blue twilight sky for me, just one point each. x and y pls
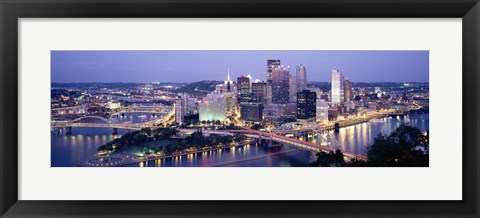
(190, 66)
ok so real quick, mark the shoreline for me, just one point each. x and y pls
(133, 160)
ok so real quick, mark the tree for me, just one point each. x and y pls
(404, 147)
(139, 139)
(148, 131)
(257, 126)
(330, 159)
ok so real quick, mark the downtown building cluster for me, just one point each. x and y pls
(283, 96)
(250, 101)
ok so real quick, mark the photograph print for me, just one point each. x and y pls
(239, 108)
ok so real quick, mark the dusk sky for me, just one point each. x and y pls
(190, 66)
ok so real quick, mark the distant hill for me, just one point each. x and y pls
(198, 88)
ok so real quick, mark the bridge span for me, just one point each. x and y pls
(281, 139)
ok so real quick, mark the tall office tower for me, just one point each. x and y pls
(181, 107)
(292, 89)
(250, 83)
(243, 85)
(301, 75)
(179, 110)
(337, 87)
(271, 66)
(347, 86)
(229, 89)
(306, 104)
(269, 94)
(280, 84)
(228, 83)
(259, 89)
(322, 111)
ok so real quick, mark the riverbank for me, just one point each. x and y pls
(122, 159)
(347, 123)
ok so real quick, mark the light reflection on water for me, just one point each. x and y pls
(83, 143)
(357, 137)
(253, 155)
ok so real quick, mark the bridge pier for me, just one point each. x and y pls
(337, 127)
(68, 131)
(115, 131)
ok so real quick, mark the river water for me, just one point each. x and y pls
(69, 150)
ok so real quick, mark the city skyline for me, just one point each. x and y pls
(241, 122)
(145, 66)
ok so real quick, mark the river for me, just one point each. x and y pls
(69, 150)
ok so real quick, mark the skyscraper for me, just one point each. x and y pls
(228, 90)
(301, 76)
(337, 87)
(292, 89)
(271, 66)
(260, 90)
(306, 104)
(243, 85)
(280, 84)
(184, 105)
(180, 109)
(322, 111)
(347, 85)
(229, 86)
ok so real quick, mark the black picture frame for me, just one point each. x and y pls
(12, 10)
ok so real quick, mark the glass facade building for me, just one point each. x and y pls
(301, 76)
(337, 87)
(306, 104)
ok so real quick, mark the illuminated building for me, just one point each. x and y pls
(228, 90)
(324, 96)
(337, 87)
(292, 89)
(251, 112)
(316, 90)
(243, 85)
(347, 85)
(333, 113)
(321, 111)
(290, 110)
(213, 111)
(269, 94)
(272, 113)
(301, 76)
(306, 104)
(179, 110)
(260, 90)
(280, 84)
(113, 105)
(372, 105)
(184, 105)
(244, 89)
(271, 66)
